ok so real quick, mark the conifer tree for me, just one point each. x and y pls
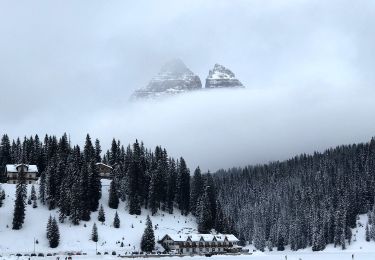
(101, 214)
(95, 186)
(116, 221)
(35, 204)
(171, 189)
(94, 233)
(2, 197)
(204, 217)
(20, 203)
(53, 233)
(42, 187)
(113, 200)
(367, 233)
(148, 237)
(196, 190)
(33, 193)
(183, 187)
(152, 197)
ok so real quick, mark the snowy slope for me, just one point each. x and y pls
(77, 238)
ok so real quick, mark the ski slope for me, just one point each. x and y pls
(77, 238)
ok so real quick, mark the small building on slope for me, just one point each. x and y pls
(200, 243)
(105, 171)
(13, 170)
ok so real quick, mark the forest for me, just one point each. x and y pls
(144, 179)
(307, 201)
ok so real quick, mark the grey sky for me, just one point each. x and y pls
(70, 66)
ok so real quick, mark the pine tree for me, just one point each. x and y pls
(204, 217)
(116, 221)
(152, 197)
(94, 233)
(95, 186)
(35, 204)
(84, 193)
(148, 237)
(53, 233)
(42, 187)
(196, 190)
(113, 198)
(183, 187)
(367, 233)
(101, 214)
(33, 193)
(2, 197)
(372, 232)
(171, 191)
(19, 205)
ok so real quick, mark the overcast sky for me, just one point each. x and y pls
(70, 66)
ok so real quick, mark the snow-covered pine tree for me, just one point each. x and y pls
(204, 217)
(152, 195)
(95, 186)
(183, 187)
(98, 151)
(19, 204)
(33, 193)
(35, 204)
(197, 190)
(49, 225)
(148, 237)
(51, 185)
(116, 221)
(42, 187)
(84, 193)
(94, 233)
(171, 190)
(53, 233)
(367, 233)
(2, 197)
(113, 200)
(101, 214)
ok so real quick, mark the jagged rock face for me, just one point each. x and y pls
(221, 77)
(173, 78)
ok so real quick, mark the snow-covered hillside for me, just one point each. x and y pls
(77, 238)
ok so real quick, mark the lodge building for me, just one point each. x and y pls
(105, 171)
(200, 243)
(30, 171)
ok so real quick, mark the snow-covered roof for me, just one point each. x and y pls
(103, 164)
(231, 238)
(13, 167)
(205, 237)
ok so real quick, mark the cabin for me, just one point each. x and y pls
(30, 171)
(105, 171)
(200, 243)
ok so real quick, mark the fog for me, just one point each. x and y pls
(69, 66)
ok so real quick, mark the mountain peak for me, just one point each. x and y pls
(174, 77)
(222, 77)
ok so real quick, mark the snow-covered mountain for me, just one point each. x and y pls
(173, 78)
(221, 77)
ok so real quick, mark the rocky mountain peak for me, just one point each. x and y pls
(174, 77)
(222, 77)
